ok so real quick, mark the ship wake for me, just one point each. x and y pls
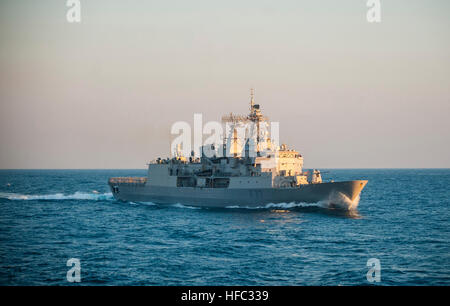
(94, 196)
(336, 201)
(277, 205)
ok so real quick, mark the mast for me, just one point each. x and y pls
(254, 117)
(252, 99)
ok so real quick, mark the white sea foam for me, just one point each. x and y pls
(179, 205)
(339, 200)
(144, 203)
(277, 205)
(335, 201)
(59, 196)
(291, 205)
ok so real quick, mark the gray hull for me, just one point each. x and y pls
(339, 194)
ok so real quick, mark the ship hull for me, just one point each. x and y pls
(336, 194)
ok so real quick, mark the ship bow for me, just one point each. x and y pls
(355, 189)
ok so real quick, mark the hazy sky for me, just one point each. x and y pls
(104, 93)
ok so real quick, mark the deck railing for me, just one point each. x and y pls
(127, 180)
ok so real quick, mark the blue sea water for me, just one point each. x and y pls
(50, 216)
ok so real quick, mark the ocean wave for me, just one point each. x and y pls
(59, 196)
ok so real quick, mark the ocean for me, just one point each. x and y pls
(50, 216)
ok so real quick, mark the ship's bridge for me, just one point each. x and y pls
(284, 162)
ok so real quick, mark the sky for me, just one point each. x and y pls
(104, 93)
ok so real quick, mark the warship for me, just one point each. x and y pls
(250, 171)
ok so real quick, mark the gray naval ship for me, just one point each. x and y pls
(249, 171)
